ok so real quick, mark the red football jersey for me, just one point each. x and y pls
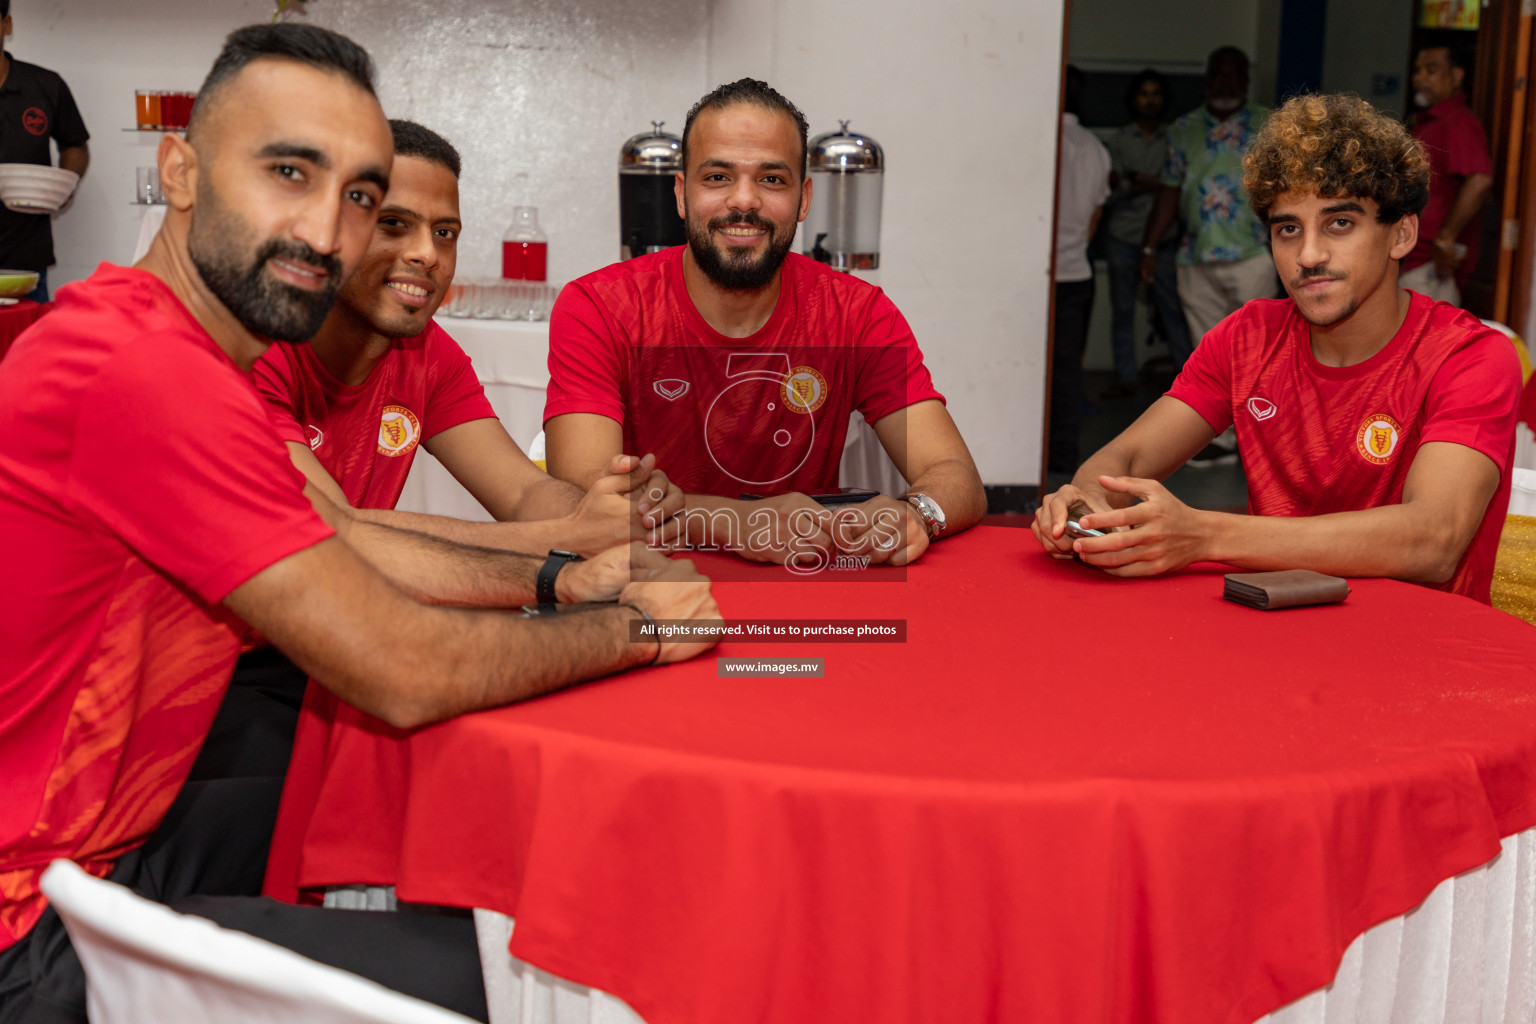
(1316, 439)
(365, 435)
(766, 414)
(140, 483)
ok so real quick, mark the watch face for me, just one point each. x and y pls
(926, 507)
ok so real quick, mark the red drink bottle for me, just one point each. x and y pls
(524, 249)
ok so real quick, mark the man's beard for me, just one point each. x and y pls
(738, 271)
(1224, 105)
(261, 303)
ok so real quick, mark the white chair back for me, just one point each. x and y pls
(146, 964)
(1522, 492)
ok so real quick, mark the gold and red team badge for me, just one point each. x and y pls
(805, 390)
(399, 430)
(1378, 438)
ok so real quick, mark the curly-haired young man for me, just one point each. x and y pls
(1376, 425)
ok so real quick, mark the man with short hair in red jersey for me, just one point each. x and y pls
(381, 379)
(148, 515)
(1376, 426)
(738, 363)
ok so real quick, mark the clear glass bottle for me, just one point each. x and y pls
(524, 248)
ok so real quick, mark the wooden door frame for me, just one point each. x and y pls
(1517, 235)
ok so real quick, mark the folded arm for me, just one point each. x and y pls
(1160, 441)
(368, 642)
(1420, 539)
(482, 456)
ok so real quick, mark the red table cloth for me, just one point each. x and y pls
(1067, 797)
(16, 318)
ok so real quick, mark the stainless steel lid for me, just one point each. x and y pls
(652, 152)
(846, 152)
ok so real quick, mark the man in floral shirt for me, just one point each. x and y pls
(1223, 253)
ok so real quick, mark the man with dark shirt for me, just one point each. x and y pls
(35, 106)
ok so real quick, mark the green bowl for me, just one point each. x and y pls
(16, 283)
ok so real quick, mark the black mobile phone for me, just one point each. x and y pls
(845, 496)
(841, 496)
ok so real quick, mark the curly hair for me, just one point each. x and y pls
(1337, 145)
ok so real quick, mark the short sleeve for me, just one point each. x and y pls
(68, 126)
(1175, 164)
(1105, 165)
(1205, 383)
(892, 374)
(275, 378)
(456, 394)
(1474, 398)
(176, 457)
(585, 358)
(1466, 148)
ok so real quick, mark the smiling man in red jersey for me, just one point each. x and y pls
(1376, 426)
(738, 362)
(148, 516)
(381, 378)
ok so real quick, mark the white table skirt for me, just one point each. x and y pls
(1525, 447)
(511, 360)
(1466, 955)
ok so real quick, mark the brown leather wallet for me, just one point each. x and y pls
(1284, 589)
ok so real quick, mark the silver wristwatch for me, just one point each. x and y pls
(932, 515)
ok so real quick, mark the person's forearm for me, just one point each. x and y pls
(1107, 461)
(534, 538)
(956, 486)
(435, 570)
(75, 158)
(1469, 199)
(1163, 214)
(549, 498)
(446, 661)
(1395, 541)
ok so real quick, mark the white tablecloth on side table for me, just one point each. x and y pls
(511, 360)
(1467, 953)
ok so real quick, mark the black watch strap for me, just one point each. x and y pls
(544, 584)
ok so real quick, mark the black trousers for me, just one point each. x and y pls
(208, 857)
(1074, 302)
(252, 737)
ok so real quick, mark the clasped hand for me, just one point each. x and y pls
(794, 529)
(634, 501)
(1158, 534)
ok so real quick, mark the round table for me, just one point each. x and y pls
(1067, 797)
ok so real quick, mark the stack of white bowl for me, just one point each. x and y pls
(34, 188)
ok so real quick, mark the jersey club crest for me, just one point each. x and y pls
(399, 430)
(1378, 438)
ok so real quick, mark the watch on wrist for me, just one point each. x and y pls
(931, 514)
(544, 583)
(1147, 250)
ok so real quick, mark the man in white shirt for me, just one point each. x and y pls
(1081, 189)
